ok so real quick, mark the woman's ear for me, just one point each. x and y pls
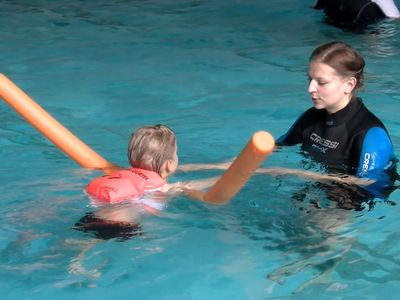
(350, 85)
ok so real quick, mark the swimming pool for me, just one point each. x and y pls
(215, 71)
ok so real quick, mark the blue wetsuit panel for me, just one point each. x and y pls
(377, 161)
(376, 153)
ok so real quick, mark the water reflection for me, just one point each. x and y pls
(325, 246)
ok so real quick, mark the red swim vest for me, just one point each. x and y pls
(124, 184)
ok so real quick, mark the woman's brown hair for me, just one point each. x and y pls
(343, 58)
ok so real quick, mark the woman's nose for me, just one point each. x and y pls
(312, 86)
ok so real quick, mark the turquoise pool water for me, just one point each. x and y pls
(215, 71)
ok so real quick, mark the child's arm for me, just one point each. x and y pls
(199, 167)
(199, 185)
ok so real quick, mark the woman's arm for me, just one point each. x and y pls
(377, 162)
(341, 178)
(376, 153)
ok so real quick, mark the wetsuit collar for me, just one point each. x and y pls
(344, 114)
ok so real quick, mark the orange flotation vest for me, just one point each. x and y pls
(123, 185)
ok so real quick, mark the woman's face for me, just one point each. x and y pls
(329, 90)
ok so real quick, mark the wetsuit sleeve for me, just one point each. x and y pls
(376, 153)
(294, 135)
(377, 161)
(388, 7)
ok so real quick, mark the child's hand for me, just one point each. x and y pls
(111, 169)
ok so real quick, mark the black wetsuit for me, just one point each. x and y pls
(351, 141)
(350, 13)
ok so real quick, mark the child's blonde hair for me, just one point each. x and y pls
(151, 146)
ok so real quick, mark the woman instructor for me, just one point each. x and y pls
(339, 131)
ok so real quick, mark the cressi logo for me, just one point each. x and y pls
(365, 166)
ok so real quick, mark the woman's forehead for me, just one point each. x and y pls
(320, 69)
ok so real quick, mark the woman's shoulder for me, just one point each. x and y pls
(368, 115)
(365, 120)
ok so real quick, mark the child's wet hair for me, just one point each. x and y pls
(151, 146)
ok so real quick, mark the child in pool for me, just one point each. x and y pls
(152, 154)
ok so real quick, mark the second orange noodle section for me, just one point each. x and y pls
(254, 153)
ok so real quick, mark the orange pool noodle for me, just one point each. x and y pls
(49, 127)
(254, 153)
